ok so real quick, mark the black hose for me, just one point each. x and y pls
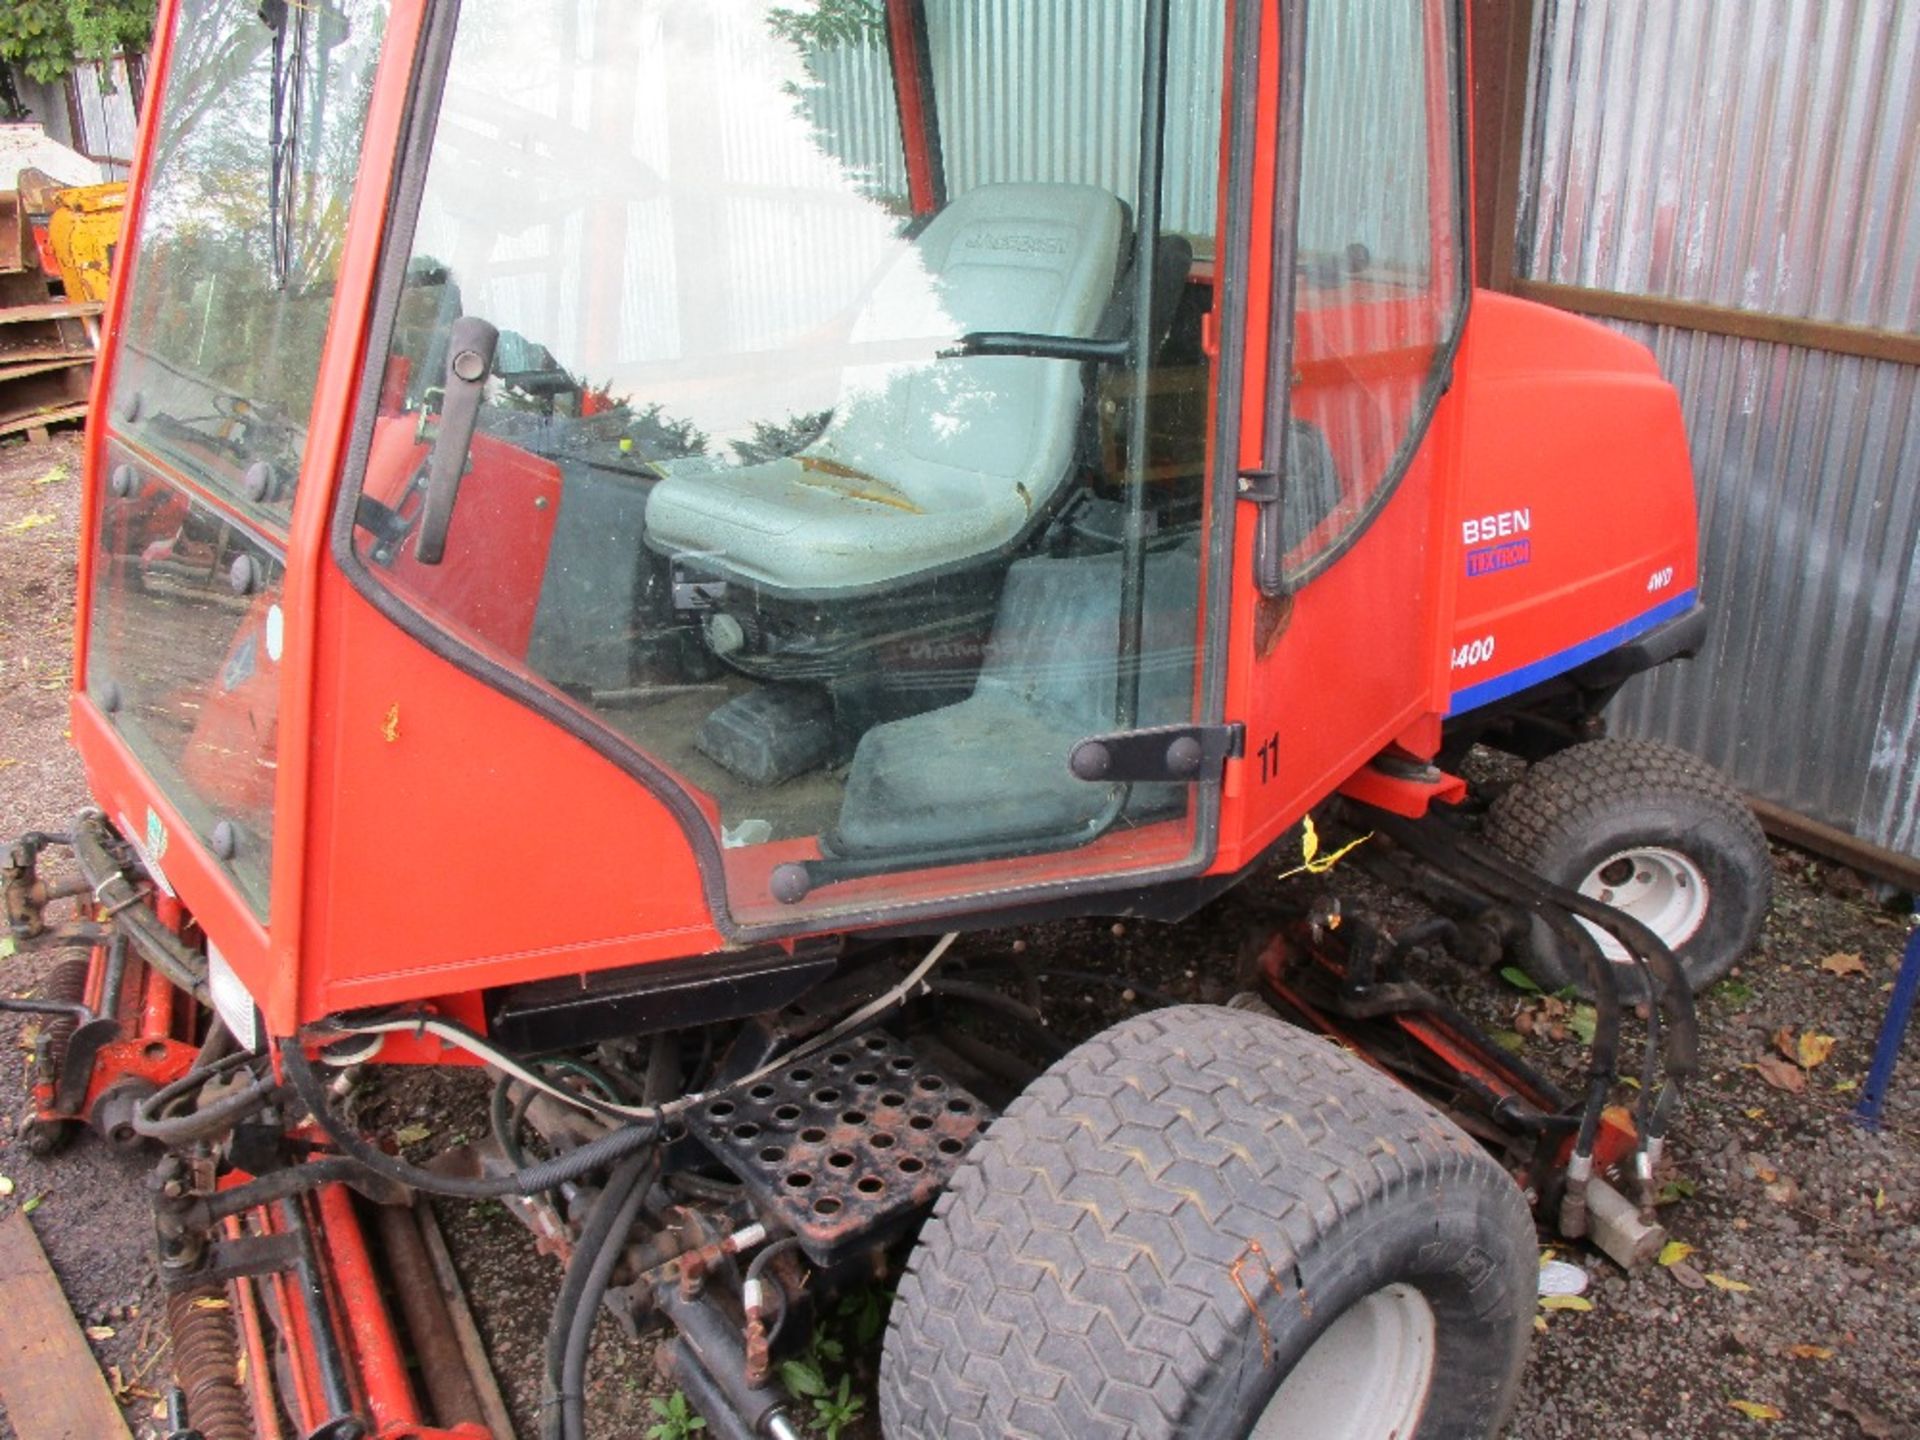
(147, 1118)
(988, 998)
(505, 1119)
(286, 1183)
(531, 1180)
(1455, 857)
(585, 1282)
(206, 1121)
(757, 1267)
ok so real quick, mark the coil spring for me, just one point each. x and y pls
(206, 1363)
(66, 983)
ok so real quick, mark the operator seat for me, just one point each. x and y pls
(932, 465)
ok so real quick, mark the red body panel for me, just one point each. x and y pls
(1576, 515)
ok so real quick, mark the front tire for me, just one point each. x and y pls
(1205, 1223)
(1649, 829)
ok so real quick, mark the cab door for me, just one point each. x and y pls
(1343, 588)
(840, 495)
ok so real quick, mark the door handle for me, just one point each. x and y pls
(470, 348)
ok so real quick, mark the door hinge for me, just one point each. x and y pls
(1262, 487)
(1175, 754)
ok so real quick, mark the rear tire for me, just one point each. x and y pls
(1649, 828)
(1182, 1211)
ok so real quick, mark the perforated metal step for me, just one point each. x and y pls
(845, 1147)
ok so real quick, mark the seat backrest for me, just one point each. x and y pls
(1040, 259)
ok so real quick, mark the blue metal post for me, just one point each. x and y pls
(1893, 1030)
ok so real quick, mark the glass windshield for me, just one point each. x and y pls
(253, 163)
(854, 503)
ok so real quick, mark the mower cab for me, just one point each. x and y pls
(593, 510)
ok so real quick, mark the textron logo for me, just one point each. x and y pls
(1022, 244)
(1491, 559)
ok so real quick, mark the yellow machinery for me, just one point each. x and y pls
(81, 230)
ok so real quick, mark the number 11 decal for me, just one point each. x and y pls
(1270, 759)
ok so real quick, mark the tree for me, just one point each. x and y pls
(44, 39)
(829, 22)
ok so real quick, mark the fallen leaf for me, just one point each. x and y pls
(100, 1332)
(1810, 1352)
(1583, 1022)
(1784, 1191)
(1782, 1074)
(1519, 979)
(1727, 1282)
(1674, 1191)
(1756, 1112)
(212, 1302)
(1565, 1302)
(53, 476)
(6, 946)
(32, 1205)
(1512, 1041)
(1813, 1049)
(6, 1185)
(412, 1134)
(1686, 1275)
(1755, 1410)
(1540, 1323)
(390, 727)
(1879, 1198)
(29, 522)
(1839, 964)
(1674, 1251)
(1843, 1087)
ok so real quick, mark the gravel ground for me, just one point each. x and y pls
(1810, 1219)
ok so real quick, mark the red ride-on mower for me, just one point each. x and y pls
(616, 533)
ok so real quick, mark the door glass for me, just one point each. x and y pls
(183, 658)
(820, 502)
(254, 156)
(1380, 290)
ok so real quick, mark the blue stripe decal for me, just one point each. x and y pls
(1514, 681)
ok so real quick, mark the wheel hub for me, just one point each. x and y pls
(1661, 888)
(1366, 1378)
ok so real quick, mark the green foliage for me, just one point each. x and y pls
(829, 22)
(676, 1418)
(36, 39)
(1519, 979)
(106, 27)
(44, 38)
(837, 1411)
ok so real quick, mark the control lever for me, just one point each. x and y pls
(470, 350)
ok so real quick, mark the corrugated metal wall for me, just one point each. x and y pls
(1763, 155)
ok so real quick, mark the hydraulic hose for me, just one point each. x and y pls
(594, 1255)
(530, 1180)
(206, 1121)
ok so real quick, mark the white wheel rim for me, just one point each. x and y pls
(1663, 889)
(1365, 1379)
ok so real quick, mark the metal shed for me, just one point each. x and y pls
(1737, 184)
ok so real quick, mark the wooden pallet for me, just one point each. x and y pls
(46, 356)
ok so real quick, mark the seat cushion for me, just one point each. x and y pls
(928, 463)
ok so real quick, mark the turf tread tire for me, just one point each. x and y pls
(1094, 1267)
(1549, 818)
